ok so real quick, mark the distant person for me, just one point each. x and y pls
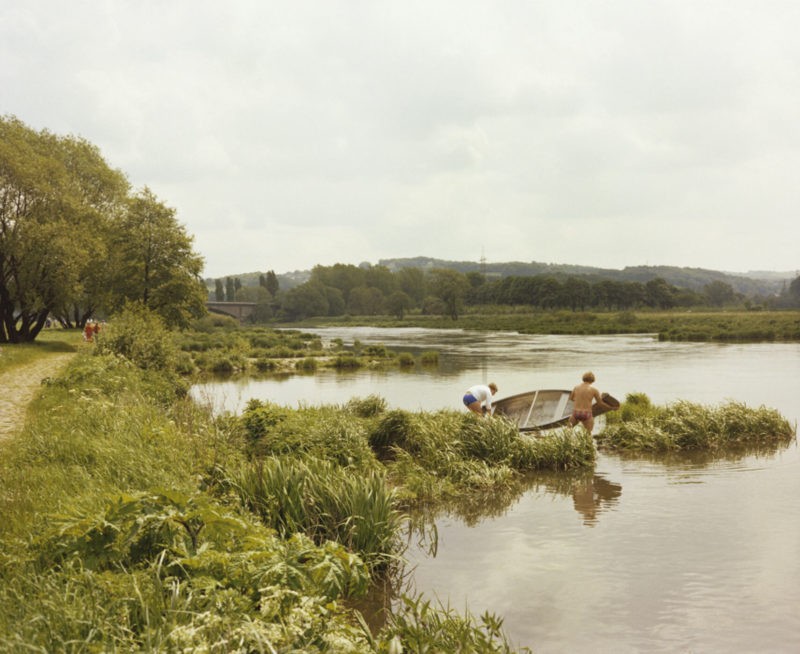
(478, 398)
(88, 331)
(583, 397)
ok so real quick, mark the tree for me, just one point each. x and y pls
(450, 286)
(230, 290)
(398, 303)
(576, 293)
(365, 301)
(271, 283)
(718, 293)
(304, 301)
(345, 277)
(659, 294)
(57, 196)
(219, 291)
(155, 264)
(412, 282)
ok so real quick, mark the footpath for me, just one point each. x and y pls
(18, 387)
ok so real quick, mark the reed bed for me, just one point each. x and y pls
(640, 425)
(321, 500)
(426, 456)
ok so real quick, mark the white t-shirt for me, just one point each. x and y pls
(482, 393)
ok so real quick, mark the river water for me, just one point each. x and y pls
(644, 554)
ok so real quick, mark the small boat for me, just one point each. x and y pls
(544, 409)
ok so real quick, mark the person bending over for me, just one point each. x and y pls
(478, 398)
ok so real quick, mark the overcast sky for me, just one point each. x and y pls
(289, 134)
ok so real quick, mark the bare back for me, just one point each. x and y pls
(583, 395)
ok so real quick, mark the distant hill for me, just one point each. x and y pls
(762, 283)
(752, 284)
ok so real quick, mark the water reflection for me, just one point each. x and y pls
(591, 494)
(594, 495)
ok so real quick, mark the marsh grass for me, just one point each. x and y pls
(640, 425)
(668, 325)
(322, 501)
(419, 625)
(426, 455)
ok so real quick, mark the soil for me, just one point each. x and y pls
(19, 386)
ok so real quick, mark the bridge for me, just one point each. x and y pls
(239, 310)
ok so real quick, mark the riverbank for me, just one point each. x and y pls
(121, 532)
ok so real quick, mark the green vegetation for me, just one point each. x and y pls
(723, 326)
(135, 521)
(354, 293)
(50, 341)
(641, 426)
(76, 243)
(218, 344)
(426, 456)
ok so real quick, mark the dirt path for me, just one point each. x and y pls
(19, 386)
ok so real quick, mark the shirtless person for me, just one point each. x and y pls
(480, 395)
(583, 395)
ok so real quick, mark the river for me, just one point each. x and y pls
(647, 554)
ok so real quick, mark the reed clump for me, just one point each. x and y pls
(323, 501)
(683, 425)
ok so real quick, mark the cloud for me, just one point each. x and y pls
(614, 133)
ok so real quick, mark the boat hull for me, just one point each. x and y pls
(544, 409)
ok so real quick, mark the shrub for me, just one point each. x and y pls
(139, 335)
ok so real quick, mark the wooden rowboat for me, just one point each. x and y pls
(544, 409)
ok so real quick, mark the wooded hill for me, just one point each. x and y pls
(751, 284)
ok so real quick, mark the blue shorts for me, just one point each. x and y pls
(469, 398)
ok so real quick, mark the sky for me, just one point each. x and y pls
(606, 133)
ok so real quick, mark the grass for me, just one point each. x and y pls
(641, 426)
(117, 534)
(683, 325)
(49, 341)
(223, 347)
(426, 456)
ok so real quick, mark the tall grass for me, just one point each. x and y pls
(115, 536)
(640, 425)
(324, 502)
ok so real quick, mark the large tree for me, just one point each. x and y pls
(57, 195)
(155, 264)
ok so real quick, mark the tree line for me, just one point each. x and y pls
(344, 289)
(76, 242)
